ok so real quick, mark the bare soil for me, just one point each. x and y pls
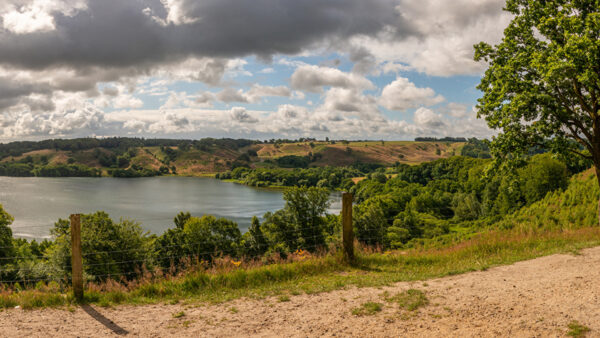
(536, 298)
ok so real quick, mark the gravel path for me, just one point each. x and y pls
(536, 298)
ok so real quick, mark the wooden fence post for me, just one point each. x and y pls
(76, 260)
(347, 232)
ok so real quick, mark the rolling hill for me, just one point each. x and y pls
(210, 156)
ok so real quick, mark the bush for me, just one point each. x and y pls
(109, 248)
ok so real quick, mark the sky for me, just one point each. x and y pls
(260, 69)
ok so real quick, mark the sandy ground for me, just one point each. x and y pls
(536, 298)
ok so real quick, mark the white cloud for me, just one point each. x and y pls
(441, 35)
(56, 124)
(312, 78)
(232, 95)
(349, 102)
(253, 95)
(426, 118)
(268, 70)
(127, 101)
(456, 110)
(402, 94)
(35, 16)
(241, 115)
(183, 100)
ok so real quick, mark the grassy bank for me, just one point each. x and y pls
(311, 274)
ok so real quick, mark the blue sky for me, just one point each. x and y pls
(354, 69)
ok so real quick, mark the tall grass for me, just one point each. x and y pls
(320, 273)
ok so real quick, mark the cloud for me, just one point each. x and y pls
(127, 101)
(268, 70)
(57, 124)
(241, 115)
(126, 33)
(291, 121)
(26, 17)
(312, 78)
(402, 94)
(182, 99)
(349, 102)
(232, 95)
(424, 117)
(437, 37)
(456, 109)
(253, 95)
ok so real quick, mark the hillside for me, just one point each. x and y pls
(207, 156)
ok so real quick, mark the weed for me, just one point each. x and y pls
(233, 309)
(367, 309)
(410, 299)
(577, 330)
(284, 298)
(179, 314)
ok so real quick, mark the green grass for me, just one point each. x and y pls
(179, 314)
(321, 274)
(577, 330)
(410, 300)
(367, 309)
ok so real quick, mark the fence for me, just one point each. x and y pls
(77, 255)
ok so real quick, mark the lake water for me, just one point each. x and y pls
(36, 203)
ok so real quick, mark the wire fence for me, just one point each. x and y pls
(151, 262)
(158, 260)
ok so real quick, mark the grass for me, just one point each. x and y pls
(179, 314)
(577, 330)
(321, 274)
(367, 309)
(410, 300)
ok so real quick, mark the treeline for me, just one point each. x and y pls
(476, 149)
(124, 143)
(328, 177)
(443, 139)
(59, 170)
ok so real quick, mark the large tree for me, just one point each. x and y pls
(542, 87)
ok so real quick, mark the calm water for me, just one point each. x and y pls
(36, 203)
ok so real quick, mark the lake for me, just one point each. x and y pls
(36, 202)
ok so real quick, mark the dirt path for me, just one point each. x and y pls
(536, 298)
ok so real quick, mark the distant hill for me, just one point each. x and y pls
(148, 157)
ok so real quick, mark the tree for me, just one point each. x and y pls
(542, 87)
(181, 219)
(110, 249)
(6, 245)
(254, 242)
(208, 236)
(301, 224)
